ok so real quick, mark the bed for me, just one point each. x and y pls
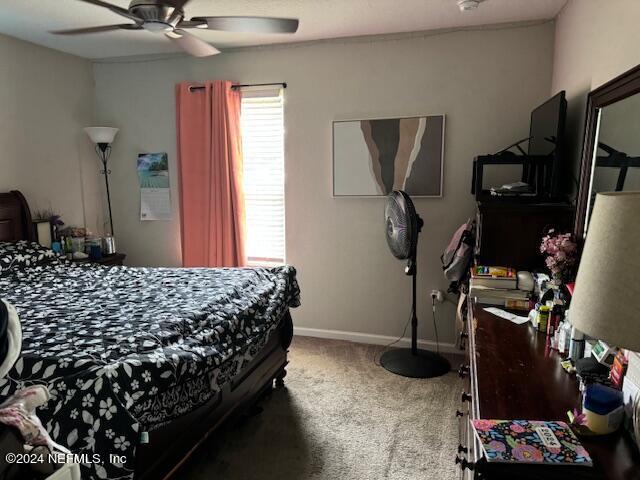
(142, 363)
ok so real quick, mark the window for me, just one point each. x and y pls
(263, 155)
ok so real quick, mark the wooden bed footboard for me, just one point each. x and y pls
(171, 446)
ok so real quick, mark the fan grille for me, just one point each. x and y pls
(400, 222)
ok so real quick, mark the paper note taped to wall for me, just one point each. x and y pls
(155, 204)
(155, 191)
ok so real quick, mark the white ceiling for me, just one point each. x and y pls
(319, 19)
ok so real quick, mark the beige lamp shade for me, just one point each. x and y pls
(101, 134)
(606, 299)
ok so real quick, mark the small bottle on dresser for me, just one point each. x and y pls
(543, 318)
(564, 336)
(555, 317)
(576, 347)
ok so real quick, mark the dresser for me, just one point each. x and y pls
(510, 373)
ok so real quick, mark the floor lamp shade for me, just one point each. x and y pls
(606, 300)
(101, 134)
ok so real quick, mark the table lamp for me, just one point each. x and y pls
(103, 138)
(606, 300)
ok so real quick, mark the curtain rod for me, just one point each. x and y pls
(244, 85)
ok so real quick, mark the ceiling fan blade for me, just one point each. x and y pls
(250, 24)
(104, 28)
(114, 8)
(193, 24)
(192, 44)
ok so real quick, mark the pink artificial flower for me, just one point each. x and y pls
(560, 252)
(579, 418)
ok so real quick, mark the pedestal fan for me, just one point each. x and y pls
(403, 225)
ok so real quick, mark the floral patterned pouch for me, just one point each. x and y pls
(530, 441)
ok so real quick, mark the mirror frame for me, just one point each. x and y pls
(613, 91)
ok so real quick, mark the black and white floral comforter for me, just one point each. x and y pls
(126, 350)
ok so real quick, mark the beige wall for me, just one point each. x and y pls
(46, 97)
(595, 41)
(486, 82)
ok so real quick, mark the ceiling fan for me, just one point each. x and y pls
(167, 17)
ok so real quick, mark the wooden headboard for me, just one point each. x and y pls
(15, 218)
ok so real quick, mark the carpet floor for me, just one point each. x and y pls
(340, 417)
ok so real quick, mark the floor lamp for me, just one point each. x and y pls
(103, 137)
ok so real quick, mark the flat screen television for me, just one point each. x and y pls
(547, 138)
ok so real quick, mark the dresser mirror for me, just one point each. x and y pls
(611, 151)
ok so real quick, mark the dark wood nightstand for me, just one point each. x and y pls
(107, 260)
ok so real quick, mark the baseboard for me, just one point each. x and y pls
(371, 339)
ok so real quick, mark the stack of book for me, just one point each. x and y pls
(497, 286)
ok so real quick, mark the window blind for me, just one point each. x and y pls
(263, 158)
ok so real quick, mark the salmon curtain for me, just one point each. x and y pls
(212, 219)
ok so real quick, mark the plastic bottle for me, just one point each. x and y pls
(564, 338)
(543, 318)
(576, 347)
(554, 320)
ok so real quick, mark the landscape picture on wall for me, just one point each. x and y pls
(153, 170)
(375, 157)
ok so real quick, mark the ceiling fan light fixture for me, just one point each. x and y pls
(157, 27)
(173, 34)
(467, 5)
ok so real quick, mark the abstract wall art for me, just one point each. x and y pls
(375, 157)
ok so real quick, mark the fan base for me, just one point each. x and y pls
(424, 364)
